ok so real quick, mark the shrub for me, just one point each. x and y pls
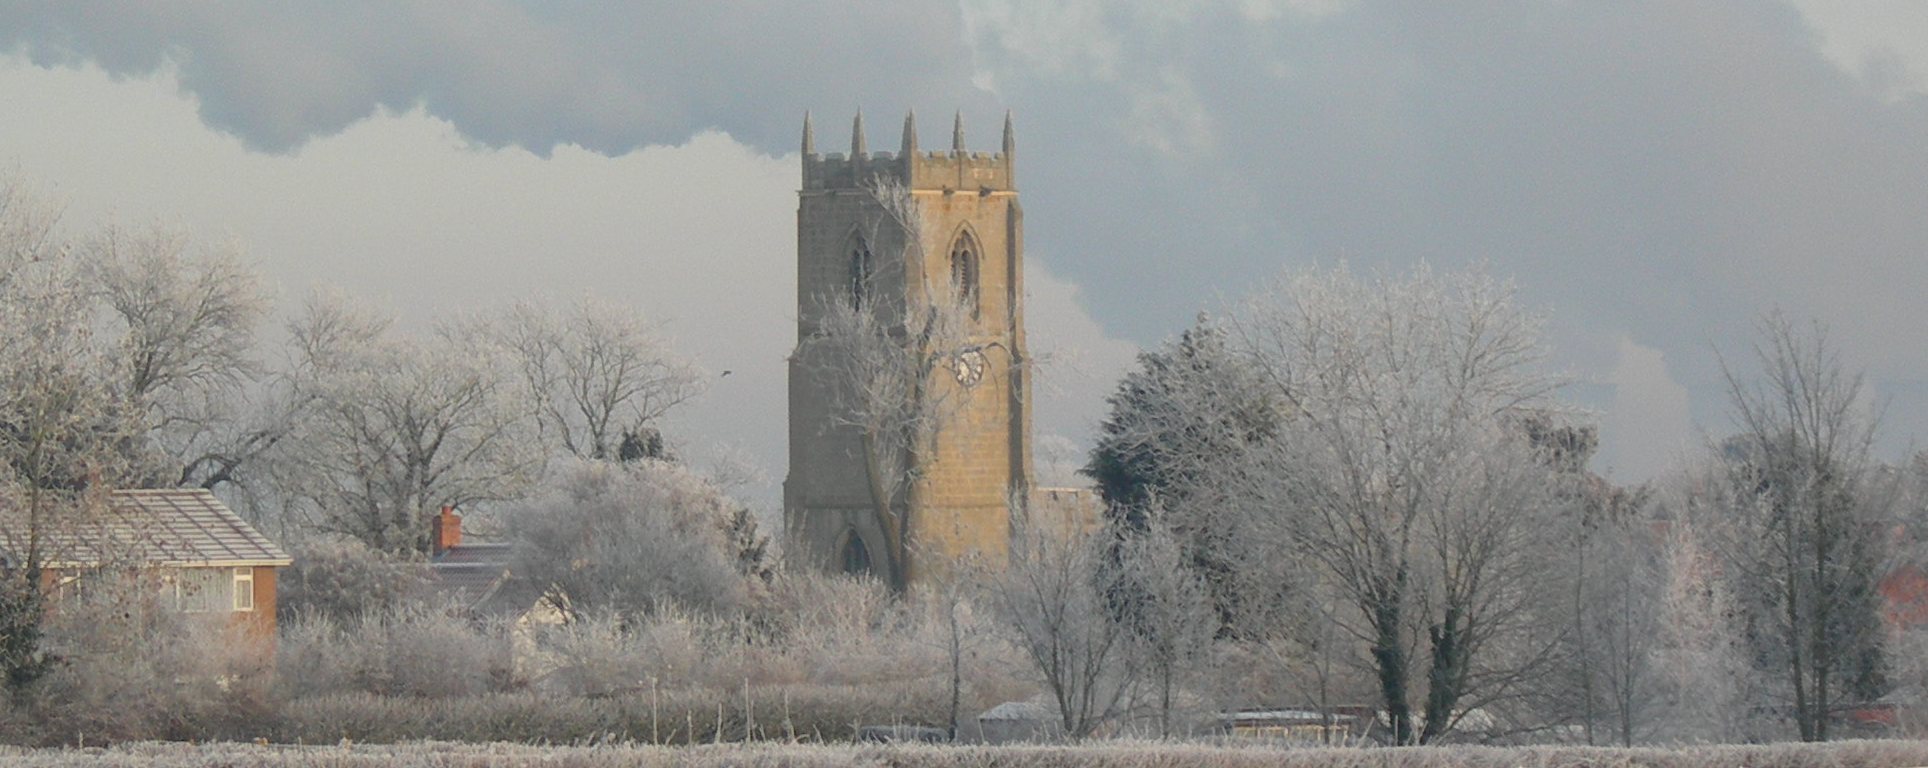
(635, 537)
(600, 752)
(128, 667)
(342, 579)
(414, 650)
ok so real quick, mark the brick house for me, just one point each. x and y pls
(202, 557)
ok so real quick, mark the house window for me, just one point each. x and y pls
(244, 589)
(964, 273)
(203, 590)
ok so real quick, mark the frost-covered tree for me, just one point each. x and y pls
(180, 342)
(1166, 607)
(385, 430)
(1404, 476)
(1191, 403)
(1055, 594)
(630, 538)
(63, 432)
(1702, 671)
(1612, 588)
(596, 376)
(1808, 516)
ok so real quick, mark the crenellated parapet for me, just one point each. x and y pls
(952, 171)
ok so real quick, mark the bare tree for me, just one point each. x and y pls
(181, 344)
(887, 356)
(1053, 594)
(385, 431)
(1808, 519)
(597, 376)
(1404, 472)
(62, 430)
(1614, 583)
(1167, 608)
(962, 628)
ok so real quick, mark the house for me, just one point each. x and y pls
(473, 578)
(1904, 595)
(203, 558)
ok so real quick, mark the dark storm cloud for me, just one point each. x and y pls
(1665, 170)
(533, 74)
(1658, 169)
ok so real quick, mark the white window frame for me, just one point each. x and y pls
(243, 589)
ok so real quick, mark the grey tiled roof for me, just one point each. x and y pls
(475, 578)
(468, 574)
(155, 527)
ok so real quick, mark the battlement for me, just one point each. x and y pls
(957, 170)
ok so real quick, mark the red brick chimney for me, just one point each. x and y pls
(445, 531)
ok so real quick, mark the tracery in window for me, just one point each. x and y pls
(859, 272)
(964, 278)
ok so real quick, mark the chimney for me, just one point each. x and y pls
(445, 531)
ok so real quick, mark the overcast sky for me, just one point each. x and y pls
(1654, 174)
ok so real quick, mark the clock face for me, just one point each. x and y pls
(968, 368)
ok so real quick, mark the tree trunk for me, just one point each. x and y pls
(957, 666)
(1448, 674)
(1389, 655)
(1824, 593)
(895, 572)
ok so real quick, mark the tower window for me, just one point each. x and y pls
(853, 557)
(859, 273)
(964, 273)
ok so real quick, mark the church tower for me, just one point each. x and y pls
(961, 238)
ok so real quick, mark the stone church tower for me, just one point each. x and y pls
(849, 249)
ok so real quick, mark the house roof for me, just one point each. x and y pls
(474, 577)
(169, 527)
(469, 574)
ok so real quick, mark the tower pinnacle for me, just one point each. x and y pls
(809, 141)
(910, 134)
(857, 136)
(957, 134)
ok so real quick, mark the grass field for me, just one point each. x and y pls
(1848, 754)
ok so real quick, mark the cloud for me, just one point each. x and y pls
(404, 213)
(1655, 171)
(1078, 363)
(1885, 42)
(1649, 428)
(610, 77)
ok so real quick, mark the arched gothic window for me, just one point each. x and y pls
(859, 272)
(853, 557)
(964, 280)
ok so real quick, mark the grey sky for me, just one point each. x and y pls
(1656, 174)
